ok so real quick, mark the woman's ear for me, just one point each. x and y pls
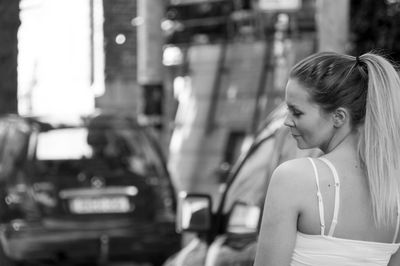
(340, 117)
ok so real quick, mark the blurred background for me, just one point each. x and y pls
(203, 73)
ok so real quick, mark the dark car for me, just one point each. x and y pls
(228, 235)
(91, 191)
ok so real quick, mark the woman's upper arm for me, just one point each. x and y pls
(279, 223)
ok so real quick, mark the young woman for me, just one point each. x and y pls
(341, 208)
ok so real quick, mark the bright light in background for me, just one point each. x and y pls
(137, 21)
(60, 63)
(120, 39)
(172, 55)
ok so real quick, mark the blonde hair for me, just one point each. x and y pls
(369, 87)
(379, 146)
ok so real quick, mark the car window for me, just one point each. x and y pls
(142, 151)
(63, 144)
(121, 148)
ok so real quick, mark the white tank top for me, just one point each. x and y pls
(327, 250)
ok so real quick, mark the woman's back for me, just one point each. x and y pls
(335, 224)
(355, 217)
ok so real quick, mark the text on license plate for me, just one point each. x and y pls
(100, 205)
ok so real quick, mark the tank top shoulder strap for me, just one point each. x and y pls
(319, 197)
(398, 219)
(337, 195)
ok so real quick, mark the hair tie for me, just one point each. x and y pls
(361, 67)
(358, 60)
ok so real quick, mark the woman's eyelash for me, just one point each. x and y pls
(294, 111)
(297, 112)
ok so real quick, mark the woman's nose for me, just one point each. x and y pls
(288, 121)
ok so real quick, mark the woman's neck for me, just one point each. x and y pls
(345, 148)
(346, 141)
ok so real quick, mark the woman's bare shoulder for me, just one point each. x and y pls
(298, 168)
(295, 174)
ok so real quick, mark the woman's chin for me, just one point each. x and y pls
(301, 145)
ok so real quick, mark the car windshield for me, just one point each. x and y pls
(63, 144)
(124, 149)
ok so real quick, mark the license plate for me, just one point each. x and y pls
(99, 205)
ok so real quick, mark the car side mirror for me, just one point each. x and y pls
(243, 219)
(194, 212)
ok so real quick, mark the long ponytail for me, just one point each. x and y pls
(379, 146)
